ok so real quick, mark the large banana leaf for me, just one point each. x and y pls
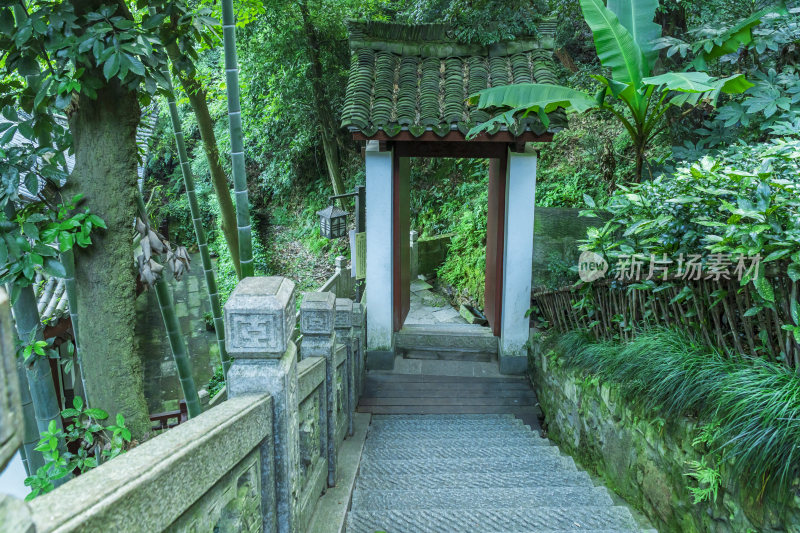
(638, 18)
(699, 82)
(615, 45)
(539, 98)
(685, 82)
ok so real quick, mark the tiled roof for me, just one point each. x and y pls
(147, 126)
(418, 78)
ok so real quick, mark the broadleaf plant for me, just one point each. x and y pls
(625, 39)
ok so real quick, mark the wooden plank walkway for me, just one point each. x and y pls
(395, 394)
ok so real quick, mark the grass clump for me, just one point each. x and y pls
(753, 404)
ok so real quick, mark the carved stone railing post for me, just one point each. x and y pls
(359, 346)
(319, 340)
(344, 335)
(343, 285)
(259, 320)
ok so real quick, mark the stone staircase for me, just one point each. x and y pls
(461, 342)
(485, 473)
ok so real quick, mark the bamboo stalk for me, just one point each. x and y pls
(199, 231)
(178, 346)
(745, 321)
(37, 371)
(237, 142)
(68, 260)
(174, 335)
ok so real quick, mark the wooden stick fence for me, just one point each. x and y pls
(719, 313)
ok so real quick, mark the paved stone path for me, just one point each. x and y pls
(430, 308)
(486, 473)
(161, 386)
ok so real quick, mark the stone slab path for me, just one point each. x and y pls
(486, 473)
(162, 388)
(430, 308)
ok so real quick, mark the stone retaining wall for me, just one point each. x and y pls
(646, 460)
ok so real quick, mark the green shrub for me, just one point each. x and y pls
(753, 405)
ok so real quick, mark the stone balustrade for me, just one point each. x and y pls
(258, 461)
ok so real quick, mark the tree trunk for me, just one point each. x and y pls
(104, 139)
(326, 119)
(197, 98)
(199, 231)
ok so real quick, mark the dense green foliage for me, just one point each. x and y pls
(94, 443)
(752, 405)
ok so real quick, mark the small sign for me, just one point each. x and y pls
(361, 255)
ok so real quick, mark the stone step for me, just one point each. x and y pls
(479, 466)
(462, 443)
(425, 425)
(446, 338)
(471, 480)
(443, 417)
(454, 437)
(442, 354)
(374, 499)
(506, 520)
(446, 452)
(448, 431)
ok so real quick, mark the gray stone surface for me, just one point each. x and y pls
(476, 473)
(476, 480)
(278, 377)
(448, 452)
(484, 465)
(317, 317)
(446, 337)
(15, 515)
(331, 511)
(260, 317)
(513, 365)
(169, 473)
(507, 520)
(482, 499)
(380, 360)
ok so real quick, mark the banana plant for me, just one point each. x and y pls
(625, 38)
(152, 275)
(237, 140)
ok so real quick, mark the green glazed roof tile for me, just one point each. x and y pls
(418, 78)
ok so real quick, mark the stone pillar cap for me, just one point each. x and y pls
(316, 313)
(260, 317)
(344, 312)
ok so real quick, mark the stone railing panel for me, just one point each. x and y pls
(343, 324)
(174, 480)
(340, 384)
(313, 419)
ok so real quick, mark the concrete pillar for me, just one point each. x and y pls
(319, 339)
(517, 260)
(343, 325)
(358, 346)
(259, 321)
(380, 334)
(414, 254)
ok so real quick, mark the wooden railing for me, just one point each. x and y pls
(723, 314)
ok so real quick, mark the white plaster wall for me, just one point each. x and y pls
(379, 248)
(518, 259)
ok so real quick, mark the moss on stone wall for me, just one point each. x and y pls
(646, 459)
